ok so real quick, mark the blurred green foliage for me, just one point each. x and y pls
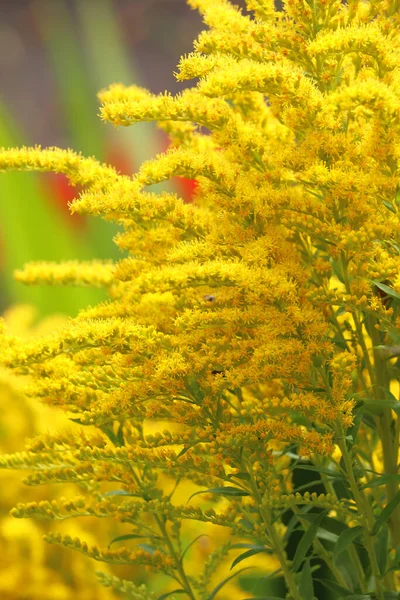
(32, 223)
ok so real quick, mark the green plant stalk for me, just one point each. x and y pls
(324, 554)
(360, 335)
(274, 538)
(378, 376)
(319, 547)
(179, 567)
(359, 568)
(365, 512)
(389, 450)
(353, 552)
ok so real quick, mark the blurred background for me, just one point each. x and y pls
(54, 56)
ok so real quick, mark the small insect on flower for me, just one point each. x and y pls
(209, 298)
(217, 372)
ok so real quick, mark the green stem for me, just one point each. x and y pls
(365, 513)
(360, 334)
(179, 567)
(390, 449)
(353, 552)
(380, 380)
(281, 555)
(359, 568)
(324, 554)
(274, 539)
(178, 563)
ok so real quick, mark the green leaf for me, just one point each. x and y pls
(347, 537)
(244, 476)
(132, 536)
(306, 586)
(353, 430)
(386, 513)
(334, 587)
(383, 480)
(327, 523)
(119, 493)
(191, 544)
(242, 545)
(291, 526)
(307, 486)
(334, 474)
(222, 583)
(264, 598)
(357, 597)
(228, 490)
(369, 420)
(307, 540)
(178, 591)
(271, 575)
(147, 548)
(382, 548)
(385, 288)
(252, 552)
(389, 206)
(382, 403)
(396, 561)
(184, 450)
(246, 524)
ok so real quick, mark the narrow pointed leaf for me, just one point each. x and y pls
(382, 548)
(131, 536)
(306, 586)
(307, 540)
(248, 554)
(271, 575)
(381, 403)
(383, 480)
(334, 587)
(328, 523)
(264, 598)
(385, 288)
(178, 591)
(222, 491)
(191, 544)
(244, 476)
(357, 597)
(119, 493)
(347, 537)
(386, 513)
(221, 585)
(328, 472)
(244, 545)
(147, 548)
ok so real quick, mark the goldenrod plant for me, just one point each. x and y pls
(250, 338)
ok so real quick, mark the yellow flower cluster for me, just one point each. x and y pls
(242, 332)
